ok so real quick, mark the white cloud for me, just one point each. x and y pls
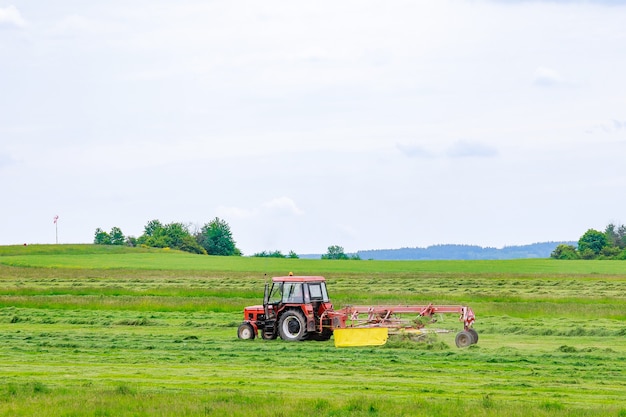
(5, 160)
(546, 77)
(283, 206)
(11, 17)
(610, 127)
(276, 207)
(467, 149)
(312, 54)
(78, 25)
(415, 151)
(458, 149)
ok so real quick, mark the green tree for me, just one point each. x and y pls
(565, 252)
(592, 241)
(216, 238)
(152, 228)
(117, 237)
(293, 255)
(189, 244)
(616, 235)
(587, 253)
(153, 235)
(621, 235)
(610, 252)
(177, 236)
(335, 252)
(101, 237)
(173, 235)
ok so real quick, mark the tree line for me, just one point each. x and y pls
(276, 254)
(610, 244)
(213, 238)
(337, 252)
(463, 252)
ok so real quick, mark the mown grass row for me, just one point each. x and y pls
(523, 310)
(159, 362)
(124, 399)
(525, 297)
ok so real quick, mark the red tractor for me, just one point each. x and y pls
(294, 308)
(298, 308)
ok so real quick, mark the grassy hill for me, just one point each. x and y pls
(114, 257)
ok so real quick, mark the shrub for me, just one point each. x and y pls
(565, 252)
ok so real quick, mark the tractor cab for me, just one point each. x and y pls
(307, 293)
(297, 292)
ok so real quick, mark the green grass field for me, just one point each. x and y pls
(105, 331)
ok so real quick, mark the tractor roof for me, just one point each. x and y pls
(298, 279)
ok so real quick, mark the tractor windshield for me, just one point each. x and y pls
(276, 294)
(292, 292)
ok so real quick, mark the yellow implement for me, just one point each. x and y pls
(360, 336)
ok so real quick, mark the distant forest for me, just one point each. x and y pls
(463, 252)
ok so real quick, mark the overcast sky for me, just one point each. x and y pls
(364, 124)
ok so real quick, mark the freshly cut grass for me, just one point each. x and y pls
(125, 399)
(84, 332)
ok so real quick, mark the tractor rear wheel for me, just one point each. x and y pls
(245, 331)
(292, 326)
(463, 339)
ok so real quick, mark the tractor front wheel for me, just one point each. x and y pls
(245, 331)
(292, 326)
